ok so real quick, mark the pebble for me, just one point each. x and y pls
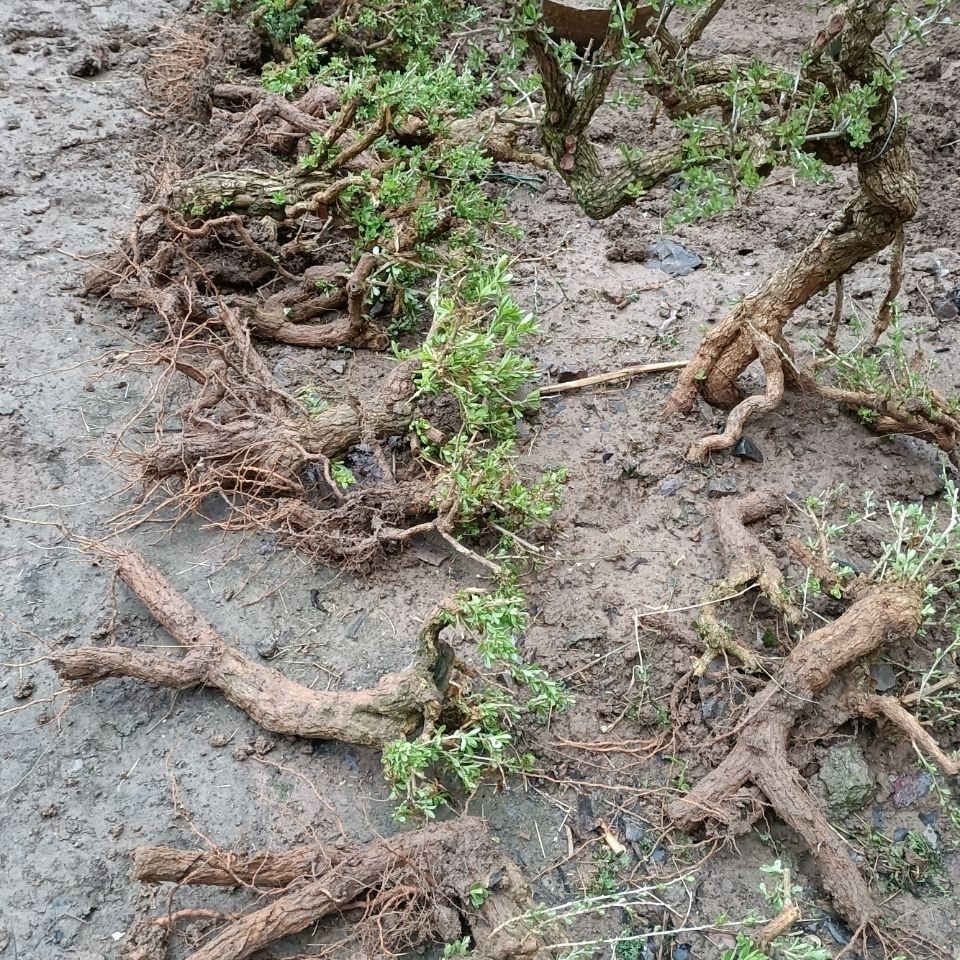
(633, 831)
(884, 676)
(746, 449)
(268, 649)
(8, 405)
(722, 487)
(670, 485)
(945, 309)
(338, 367)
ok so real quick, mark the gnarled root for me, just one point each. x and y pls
(889, 612)
(396, 707)
(748, 562)
(870, 221)
(409, 890)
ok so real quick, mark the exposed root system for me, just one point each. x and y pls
(392, 895)
(758, 769)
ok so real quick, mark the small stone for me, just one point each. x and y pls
(681, 951)
(263, 745)
(670, 485)
(8, 405)
(884, 677)
(218, 740)
(746, 449)
(910, 788)
(900, 834)
(945, 309)
(929, 818)
(24, 689)
(90, 64)
(940, 262)
(338, 367)
(838, 931)
(633, 831)
(672, 258)
(930, 835)
(268, 649)
(722, 487)
(845, 779)
(658, 855)
(49, 811)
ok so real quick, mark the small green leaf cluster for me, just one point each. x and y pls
(418, 770)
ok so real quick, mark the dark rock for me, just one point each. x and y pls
(681, 951)
(658, 855)
(884, 677)
(746, 449)
(633, 831)
(844, 780)
(90, 64)
(586, 818)
(900, 834)
(672, 258)
(945, 309)
(722, 487)
(714, 708)
(838, 931)
(930, 818)
(669, 486)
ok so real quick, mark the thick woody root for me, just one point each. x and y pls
(397, 706)
(748, 562)
(396, 894)
(758, 769)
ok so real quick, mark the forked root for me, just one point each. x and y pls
(889, 612)
(397, 893)
(397, 706)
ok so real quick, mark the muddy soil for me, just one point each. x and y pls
(84, 780)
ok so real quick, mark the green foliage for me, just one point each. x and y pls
(311, 400)
(472, 355)
(903, 864)
(458, 948)
(341, 474)
(417, 770)
(606, 871)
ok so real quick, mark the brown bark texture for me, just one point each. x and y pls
(396, 707)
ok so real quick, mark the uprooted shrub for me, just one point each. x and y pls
(435, 734)
(817, 685)
(446, 884)
(735, 119)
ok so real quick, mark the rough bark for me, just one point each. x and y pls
(396, 707)
(413, 888)
(888, 612)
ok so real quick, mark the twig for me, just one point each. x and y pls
(623, 374)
